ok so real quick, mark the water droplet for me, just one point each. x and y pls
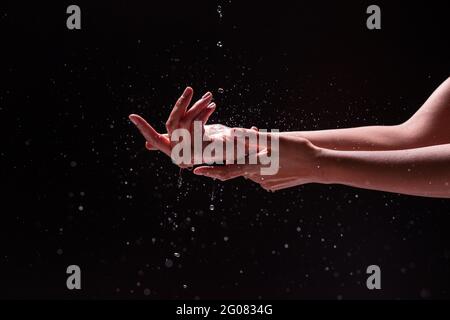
(168, 263)
(219, 44)
(219, 11)
(177, 254)
(220, 90)
(211, 206)
(146, 291)
(180, 178)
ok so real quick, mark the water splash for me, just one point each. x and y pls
(180, 178)
(179, 183)
(220, 11)
(213, 195)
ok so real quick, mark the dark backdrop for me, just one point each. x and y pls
(78, 187)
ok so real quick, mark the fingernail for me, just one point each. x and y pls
(186, 91)
(149, 146)
(211, 105)
(133, 120)
(206, 95)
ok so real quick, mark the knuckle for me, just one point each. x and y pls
(179, 101)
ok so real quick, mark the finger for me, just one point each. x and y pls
(284, 185)
(150, 134)
(179, 109)
(220, 173)
(256, 178)
(164, 136)
(206, 113)
(148, 146)
(226, 172)
(195, 110)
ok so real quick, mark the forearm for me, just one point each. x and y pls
(359, 138)
(428, 126)
(421, 171)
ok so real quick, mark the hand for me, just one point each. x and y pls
(180, 117)
(299, 163)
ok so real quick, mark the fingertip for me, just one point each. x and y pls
(201, 171)
(134, 118)
(207, 95)
(149, 146)
(188, 91)
(198, 171)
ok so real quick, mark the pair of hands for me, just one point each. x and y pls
(299, 159)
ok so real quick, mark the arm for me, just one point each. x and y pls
(428, 126)
(421, 171)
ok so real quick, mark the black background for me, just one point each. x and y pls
(78, 187)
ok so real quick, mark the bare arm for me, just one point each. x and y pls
(428, 126)
(422, 171)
